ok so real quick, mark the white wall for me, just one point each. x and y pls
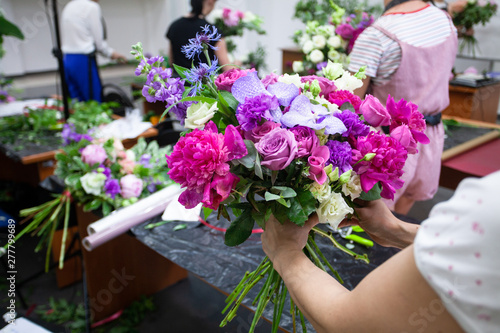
(130, 21)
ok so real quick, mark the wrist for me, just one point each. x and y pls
(283, 258)
(404, 234)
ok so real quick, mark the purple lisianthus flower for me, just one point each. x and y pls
(201, 41)
(197, 75)
(340, 155)
(105, 170)
(145, 160)
(355, 127)
(112, 187)
(69, 134)
(255, 109)
(321, 65)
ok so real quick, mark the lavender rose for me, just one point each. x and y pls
(258, 132)
(131, 186)
(374, 112)
(306, 138)
(278, 148)
(93, 154)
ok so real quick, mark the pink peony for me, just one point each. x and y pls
(269, 79)
(199, 159)
(278, 149)
(326, 85)
(316, 162)
(345, 31)
(93, 154)
(307, 140)
(374, 112)
(231, 18)
(259, 131)
(225, 80)
(385, 167)
(339, 97)
(131, 186)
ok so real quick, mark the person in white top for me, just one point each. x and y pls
(82, 36)
(448, 280)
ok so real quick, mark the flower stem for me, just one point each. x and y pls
(363, 257)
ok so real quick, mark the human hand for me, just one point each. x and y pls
(285, 238)
(381, 225)
(118, 57)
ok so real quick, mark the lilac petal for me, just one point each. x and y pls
(285, 92)
(190, 198)
(248, 86)
(276, 115)
(333, 125)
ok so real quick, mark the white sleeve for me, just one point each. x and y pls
(97, 32)
(457, 250)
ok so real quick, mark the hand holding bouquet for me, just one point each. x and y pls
(284, 146)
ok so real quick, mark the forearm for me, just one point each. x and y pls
(314, 291)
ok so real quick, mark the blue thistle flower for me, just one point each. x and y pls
(201, 41)
(196, 75)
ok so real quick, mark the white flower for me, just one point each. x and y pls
(295, 79)
(216, 14)
(248, 17)
(348, 82)
(334, 41)
(303, 39)
(333, 55)
(93, 182)
(353, 187)
(333, 210)
(316, 56)
(198, 114)
(321, 192)
(319, 41)
(298, 66)
(333, 70)
(130, 155)
(308, 46)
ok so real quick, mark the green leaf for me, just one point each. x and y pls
(249, 160)
(62, 158)
(229, 99)
(270, 197)
(94, 204)
(206, 212)
(284, 202)
(240, 229)
(285, 192)
(72, 180)
(301, 207)
(106, 208)
(373, 194)
(8, 28)
(280, 212)
(181, 70)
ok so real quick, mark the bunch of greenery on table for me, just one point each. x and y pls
(321, 10)
(475, 12)
(37, 124)
(99, 174)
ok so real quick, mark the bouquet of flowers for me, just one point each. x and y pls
(230, 22)
(99, 174)
(352, 26)
(319, 42)
(475, 12)
(284, 145)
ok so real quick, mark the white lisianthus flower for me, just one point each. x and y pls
(308, 46)
(319, 41)
(93, 182)
(321, 192)
(248, 17)
(298, 66)
(303, 39)
(348, 82)
(316, 56)
(333, 55)
(197, 115)
(353, 187)
(130, 155)
(333, 210)
(334, 41)
(333, 70)
(216, 14)
(294, 79)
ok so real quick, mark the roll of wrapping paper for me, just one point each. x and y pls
(148, 207)
(124, 219)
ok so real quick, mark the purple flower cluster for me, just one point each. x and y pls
(69, 134)
(112, 187)
(355, 127)
(256, 109)
(340, 155)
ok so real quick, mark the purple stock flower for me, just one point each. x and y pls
(70, 135)
(145, 160)
(340, 155)
(197, 45)
(140, 68)
(355, 127)
(255, 109)
(156, 60)
(112, 187)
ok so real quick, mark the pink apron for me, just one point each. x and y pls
(422, 78)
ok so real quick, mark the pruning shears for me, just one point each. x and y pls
(347, 233)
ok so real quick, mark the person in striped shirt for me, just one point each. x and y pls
(409, 53)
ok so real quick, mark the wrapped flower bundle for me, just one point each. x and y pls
(284, 145)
